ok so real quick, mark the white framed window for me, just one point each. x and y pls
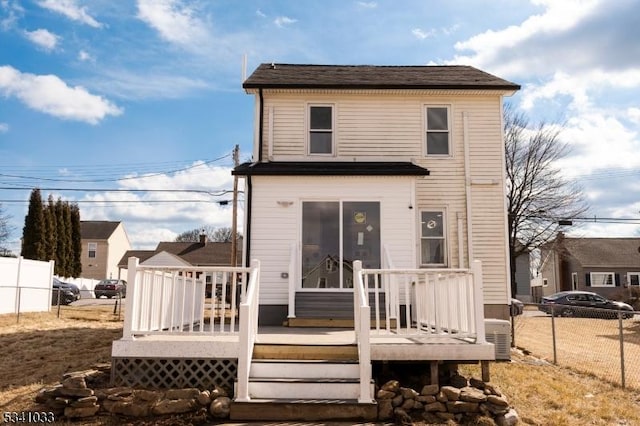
(545, 282)
(433, 247)
(438, 130)
(92, 249)
(602, 279)
(633, 278)
(321, 119)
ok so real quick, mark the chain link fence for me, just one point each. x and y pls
(27, 299)
(601, 342)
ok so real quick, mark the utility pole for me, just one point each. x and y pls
(234, 219)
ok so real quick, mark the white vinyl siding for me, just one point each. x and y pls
(275, 227)
(390, 127)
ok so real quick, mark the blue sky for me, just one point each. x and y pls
(134, 95)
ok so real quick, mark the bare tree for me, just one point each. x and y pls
(5, 230)
(538, 197)
(221, 235)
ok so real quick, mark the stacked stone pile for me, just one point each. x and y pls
(82, 394)
(461, 401)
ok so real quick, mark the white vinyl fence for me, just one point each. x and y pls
(25, 285)
(86, 286)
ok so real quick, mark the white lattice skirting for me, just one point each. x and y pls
(173, 373)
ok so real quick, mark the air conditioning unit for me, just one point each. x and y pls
(499, 333)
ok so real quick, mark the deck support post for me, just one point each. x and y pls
(433, 373)
(484, 366)
(132, 301)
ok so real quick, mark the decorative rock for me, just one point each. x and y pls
(470, 394)
(430, 390)
(408, 404)
(383, 394)
(391, 386)
(78, 412)
(217, 392)
(79, 392)
(492, 389)
(500, 401)
(426, 399)
(434, 407)
(47, 393)
(417, 405)
(220, 407)
(204, 398)
(402, 417)
(173, 406)
(74, 382)
(451, 393)
(478, 384)
(188, 393)
(397, 400)
(385, 409)
(458, 381)
(445, 416)
(456, 407)
(497, 410)
(126, 408)
(408, 393)
(88, 401)
(511, 418)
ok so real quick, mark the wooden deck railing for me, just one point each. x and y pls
(427, 301)
(178, 300)
(362, 315)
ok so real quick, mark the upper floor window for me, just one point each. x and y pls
(321, 129)
(92, 248)
(432, 238)
(437, 124)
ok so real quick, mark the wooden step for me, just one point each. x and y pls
(304, 369)
(331, 323)
(304, 410)
(305, 352)
(305, 389)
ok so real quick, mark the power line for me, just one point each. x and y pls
(193, 166)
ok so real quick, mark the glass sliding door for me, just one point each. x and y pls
(334, 234)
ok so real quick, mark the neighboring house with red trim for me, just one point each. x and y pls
(602, 265)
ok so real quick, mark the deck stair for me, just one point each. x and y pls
(304, 382)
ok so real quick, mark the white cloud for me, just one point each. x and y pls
(151, 217)
(43, 38)
(50, 95)
(368, 4)
(71, 10)
(281, 21)
(261, 13)
(421, 34)
(175, 22)
(84, 56)
(4, 127)
(634, 114)
(13, 11)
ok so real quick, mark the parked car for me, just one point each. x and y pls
(110, 288)
(583, 304)
(74, 288)
(65, 292)
(517, 307)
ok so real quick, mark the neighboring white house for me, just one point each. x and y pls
(363, 162)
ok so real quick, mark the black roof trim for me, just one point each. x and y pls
(331, 168)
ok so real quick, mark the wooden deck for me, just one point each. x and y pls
(393, 347)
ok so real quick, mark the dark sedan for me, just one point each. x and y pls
(64, 292)
(583, 304)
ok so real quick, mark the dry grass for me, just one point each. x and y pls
(42, 347)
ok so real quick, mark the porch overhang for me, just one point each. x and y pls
(331, 168)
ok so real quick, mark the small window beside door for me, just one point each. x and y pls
(432, 238)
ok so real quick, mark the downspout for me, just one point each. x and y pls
(249, 192)
(467, 186)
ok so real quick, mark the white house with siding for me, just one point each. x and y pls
(374, 203)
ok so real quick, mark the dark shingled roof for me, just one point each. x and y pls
(605, 252)
(331, 168)
(97, 229)
(196, 254)
(291, 76)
